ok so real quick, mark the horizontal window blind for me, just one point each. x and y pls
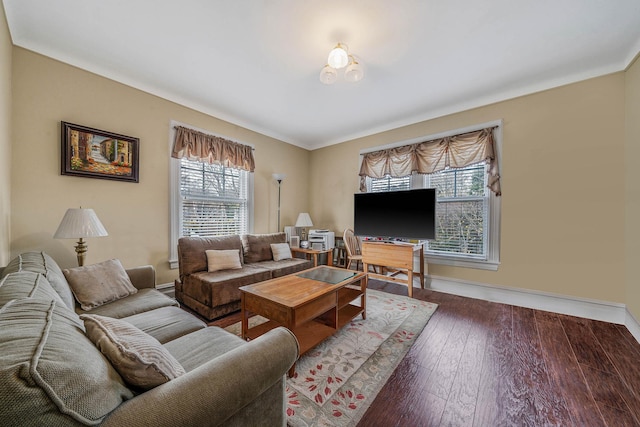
(208, 218)
(461, 211)
(390, 184)
(462, 206)
(460, 227)
(469, 181)
(214, 199)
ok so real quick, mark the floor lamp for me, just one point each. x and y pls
(279, 177)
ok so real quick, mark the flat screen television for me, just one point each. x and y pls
(409, 214)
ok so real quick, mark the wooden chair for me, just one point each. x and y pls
(354, 248)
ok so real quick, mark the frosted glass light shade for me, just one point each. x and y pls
(304, 220)
(338, 57)
(80, 223)
(328, 75)
(354, 72)
(279, 177)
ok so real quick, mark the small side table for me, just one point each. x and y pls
(313, 253)
(340, 253)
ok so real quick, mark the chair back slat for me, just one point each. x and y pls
(351, 243)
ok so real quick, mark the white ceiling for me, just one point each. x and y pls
(255, 63)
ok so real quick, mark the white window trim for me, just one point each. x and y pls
(492, 260)
(175, 213)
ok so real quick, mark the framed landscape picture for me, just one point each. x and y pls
(94, 153)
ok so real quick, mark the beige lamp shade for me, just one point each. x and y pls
(304, 220)
(80, 223)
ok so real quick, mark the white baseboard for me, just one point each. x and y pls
(580, 307)
(633, 325)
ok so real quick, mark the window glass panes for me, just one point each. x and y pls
(390, 184)
(213, 199)
(461, 209)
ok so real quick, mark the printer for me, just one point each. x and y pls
(321, 240)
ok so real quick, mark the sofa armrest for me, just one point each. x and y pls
(143, 276)
(216, 390)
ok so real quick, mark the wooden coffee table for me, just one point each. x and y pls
(313, 304)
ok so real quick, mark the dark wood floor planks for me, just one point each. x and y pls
(497, 369)
(463, 395)
(479, 363)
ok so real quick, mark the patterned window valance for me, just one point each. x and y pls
(202, 147)
(433, 156)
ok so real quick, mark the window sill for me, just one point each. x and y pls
(460, 262)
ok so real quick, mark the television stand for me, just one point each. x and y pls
(394, 255)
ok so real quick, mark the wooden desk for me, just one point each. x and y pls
(313, 253)
(398, 255)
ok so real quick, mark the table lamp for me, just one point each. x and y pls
(304, 220)
(80, 223)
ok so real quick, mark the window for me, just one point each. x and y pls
(467, 214)
(390, 184)
(213, 199)
(207, 200)
(462, 211)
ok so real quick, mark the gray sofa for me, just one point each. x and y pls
(214, 294)
(51, 373)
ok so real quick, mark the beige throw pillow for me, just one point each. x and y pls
(227, 259)
(138, 357)
(281, 251)
(98, 284)
(258, 247)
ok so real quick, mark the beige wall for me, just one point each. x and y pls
(135, 215)
(563, 207)
(562, 181)
(5, 138)
(632, 168)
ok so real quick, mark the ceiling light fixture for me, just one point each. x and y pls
(339, 58)
(354, 72)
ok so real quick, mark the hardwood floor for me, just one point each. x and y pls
(479, 363)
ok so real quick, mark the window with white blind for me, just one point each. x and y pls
(207, 200)
(462, 211)
(214, 199)
(467, 214)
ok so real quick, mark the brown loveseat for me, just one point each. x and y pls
(214, 294)
(53, 374)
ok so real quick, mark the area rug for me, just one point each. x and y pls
(336, 381)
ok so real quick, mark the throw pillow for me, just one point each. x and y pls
(259, 246)
(223, 259)
(281, 251)
(98, 284)
(138, 357)
(51, 374)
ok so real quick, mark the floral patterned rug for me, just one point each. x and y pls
(336, 381)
